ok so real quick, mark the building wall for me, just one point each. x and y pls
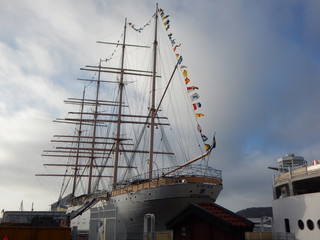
(194, 229)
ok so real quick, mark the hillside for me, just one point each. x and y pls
(256, 212)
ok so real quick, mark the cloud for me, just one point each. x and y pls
(264, 94)
(21, 139)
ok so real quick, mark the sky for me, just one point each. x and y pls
(257, 65)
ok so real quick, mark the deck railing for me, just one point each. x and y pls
(188, 171)
(292, 173)
(194, 174)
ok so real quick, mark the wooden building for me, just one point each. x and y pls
(208, 221)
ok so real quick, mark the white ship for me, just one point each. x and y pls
(296, 193)
(120, 162)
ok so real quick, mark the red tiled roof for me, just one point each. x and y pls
(224, 214)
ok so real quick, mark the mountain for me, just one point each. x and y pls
(256, 212)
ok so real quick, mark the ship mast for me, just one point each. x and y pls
(153, 95)
(94, 130)
(90, 147)
(76, 169)
(121, 85)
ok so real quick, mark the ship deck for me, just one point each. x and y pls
(298, 181)
(191, 174)
(165, 181)
(302, 173)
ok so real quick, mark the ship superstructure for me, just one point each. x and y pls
(296, 191)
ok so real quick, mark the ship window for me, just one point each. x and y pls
(287, 225)
(301, 224)
(310, 224)
(318, 223)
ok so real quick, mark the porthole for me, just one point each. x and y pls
(301, 224)
(310, 224)
(318, 223)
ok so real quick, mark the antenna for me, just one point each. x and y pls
(21, 206)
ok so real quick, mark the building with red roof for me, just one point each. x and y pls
(209, 221)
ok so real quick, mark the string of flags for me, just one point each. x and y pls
(190, 89)
(193, 95)
(115, 50)
(133, 27)
(141, 28)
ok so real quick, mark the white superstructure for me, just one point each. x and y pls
(296, 192)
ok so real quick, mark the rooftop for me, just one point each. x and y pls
(213, 213)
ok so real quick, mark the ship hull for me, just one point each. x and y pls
(294, 210)
(123, 215)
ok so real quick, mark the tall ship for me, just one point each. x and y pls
(296, 191)
(136, 145)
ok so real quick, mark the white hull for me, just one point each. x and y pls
(125, 213)
(294, 208)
